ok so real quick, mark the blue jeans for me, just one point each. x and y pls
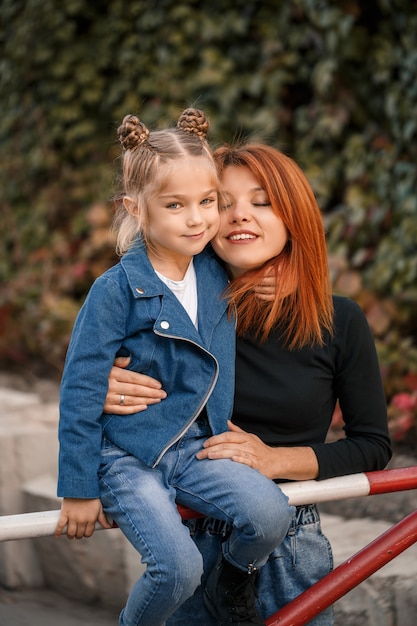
(303, 558)
(142, 501)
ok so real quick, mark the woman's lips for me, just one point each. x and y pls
(241, 236)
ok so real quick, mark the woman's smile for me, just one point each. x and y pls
(241, 236)
(250, 231)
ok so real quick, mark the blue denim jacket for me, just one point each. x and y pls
(129, 311)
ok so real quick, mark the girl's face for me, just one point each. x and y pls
(250, 232)
(183, 216)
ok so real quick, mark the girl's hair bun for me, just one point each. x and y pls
(132, 132)
(194, 121)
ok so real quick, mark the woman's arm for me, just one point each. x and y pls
(297, 463)
(130, 392)
(359, 388)
(285, 463)
(139, 390)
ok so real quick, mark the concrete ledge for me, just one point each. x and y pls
(29, 447)
(101, 569)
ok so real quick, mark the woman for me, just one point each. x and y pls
(296, 356)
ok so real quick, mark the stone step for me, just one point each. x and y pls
(387, 598)
(103, 568)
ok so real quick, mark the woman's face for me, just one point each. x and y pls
(250, 233)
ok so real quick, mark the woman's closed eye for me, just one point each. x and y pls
(260, 200)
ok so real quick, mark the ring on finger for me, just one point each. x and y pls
(122, 399)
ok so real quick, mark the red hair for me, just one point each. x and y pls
(302, 308)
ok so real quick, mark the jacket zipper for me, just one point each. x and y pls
(205, 399)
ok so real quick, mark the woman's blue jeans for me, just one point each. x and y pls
(142, 501)
(302, 558)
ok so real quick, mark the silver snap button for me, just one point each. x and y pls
(140, 290)
(165, 325)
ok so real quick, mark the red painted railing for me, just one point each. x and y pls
(348, 575)
(330, 588)
(364, 563)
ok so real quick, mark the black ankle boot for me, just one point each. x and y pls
(230, 595)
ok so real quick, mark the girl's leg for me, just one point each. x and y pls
(137, 498)
(254, 505)
(208, 534)
(259, 514)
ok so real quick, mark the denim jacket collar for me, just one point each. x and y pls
(146, 284)
(142, 283)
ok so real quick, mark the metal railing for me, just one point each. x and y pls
(330, 588)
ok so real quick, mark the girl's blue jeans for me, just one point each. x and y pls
(301, 559)
(142, 501)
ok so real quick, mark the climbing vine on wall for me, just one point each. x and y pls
(333, 84)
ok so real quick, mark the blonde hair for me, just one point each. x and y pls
(303, 307)
(145, 158)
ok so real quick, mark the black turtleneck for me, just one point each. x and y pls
(287, 397)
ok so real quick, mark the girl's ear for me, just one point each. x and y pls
(130, 205)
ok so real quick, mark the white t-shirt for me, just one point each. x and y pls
(185, 290)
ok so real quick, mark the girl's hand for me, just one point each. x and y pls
(242, 447)
(130, 392)
(80, 517)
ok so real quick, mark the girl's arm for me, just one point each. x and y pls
(80, 517)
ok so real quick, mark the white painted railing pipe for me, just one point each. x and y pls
(43, 523)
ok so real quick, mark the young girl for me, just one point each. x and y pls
(137, 468)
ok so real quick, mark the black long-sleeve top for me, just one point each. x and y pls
(287, 397)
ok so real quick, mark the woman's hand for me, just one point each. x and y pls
(240, 446)
(130, 392)
(267, 287)
(292, 463)
(80, 516)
